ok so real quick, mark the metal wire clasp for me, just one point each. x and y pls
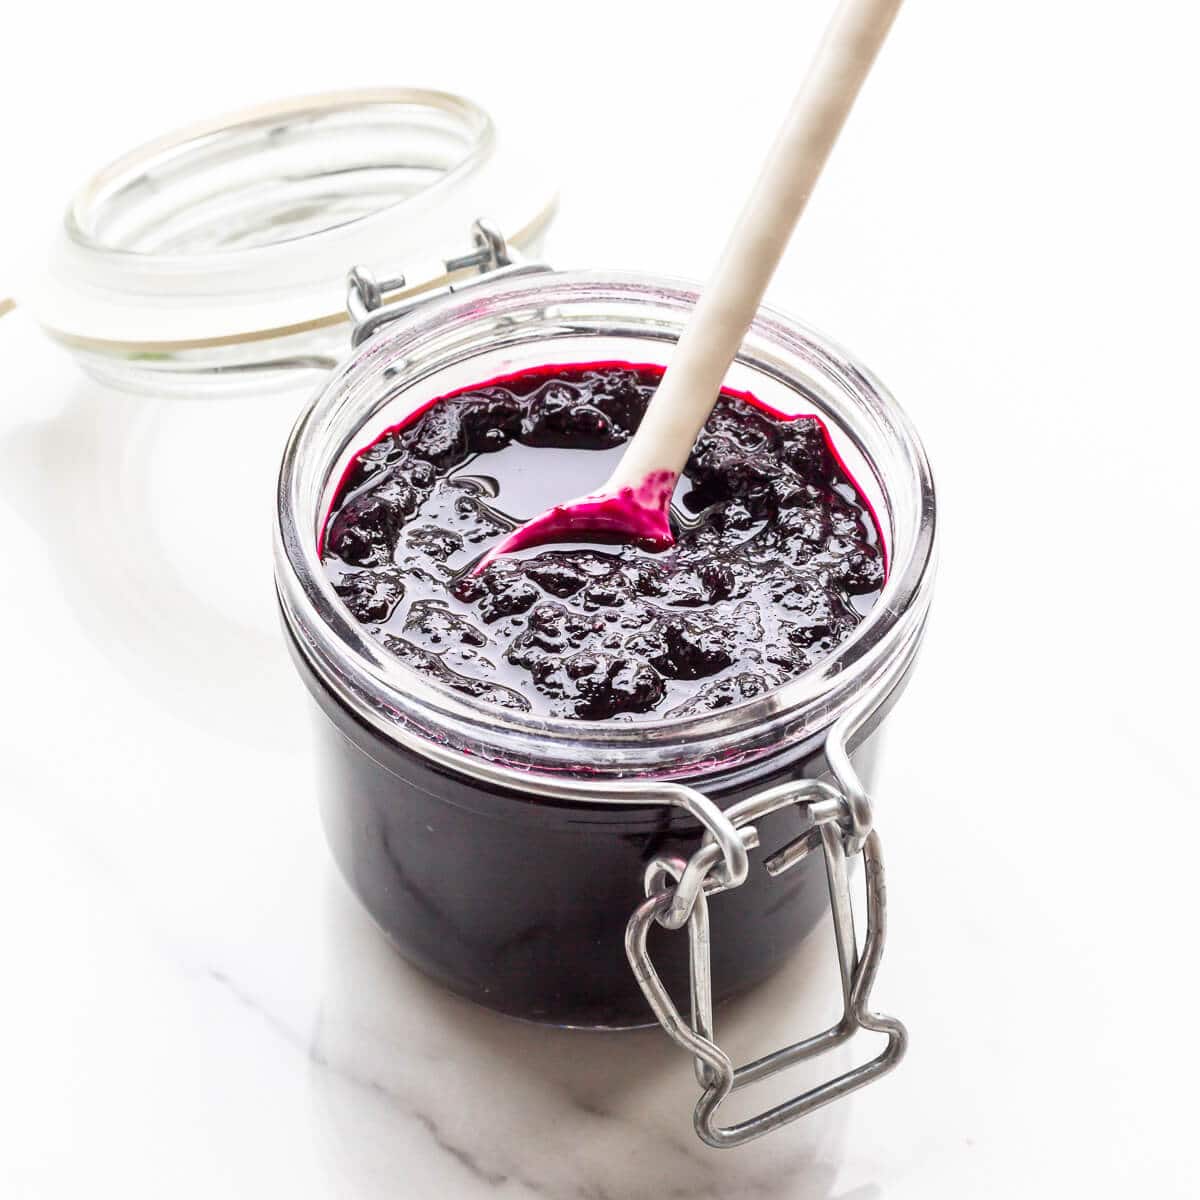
(677, 894)
(491, 258)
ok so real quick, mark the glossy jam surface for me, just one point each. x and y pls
(776, 559)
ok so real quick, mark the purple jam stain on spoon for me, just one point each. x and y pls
(640, 514)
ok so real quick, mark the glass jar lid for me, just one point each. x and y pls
(223, 248)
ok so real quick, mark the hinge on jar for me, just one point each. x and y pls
(491, 259)
(677, 894)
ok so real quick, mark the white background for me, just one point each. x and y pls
(192, 1005)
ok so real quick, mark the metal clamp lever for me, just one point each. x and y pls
(836, 823)
(365, 294)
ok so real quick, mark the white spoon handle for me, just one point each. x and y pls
(725, 309)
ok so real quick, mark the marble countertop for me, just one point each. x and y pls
(198, 1006)
(194, 1005)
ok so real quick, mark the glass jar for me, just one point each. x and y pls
(503, 852)
(544, 868)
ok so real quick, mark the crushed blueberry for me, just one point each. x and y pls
(777, 556)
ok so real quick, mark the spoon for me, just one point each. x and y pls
(634, 504)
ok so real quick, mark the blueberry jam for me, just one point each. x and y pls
(510, 895)
(776, 559)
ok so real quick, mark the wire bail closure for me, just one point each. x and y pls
(677, 894)
(491, 259)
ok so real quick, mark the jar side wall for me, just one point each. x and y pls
(527, 917)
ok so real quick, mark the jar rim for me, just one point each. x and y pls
(429, 718)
